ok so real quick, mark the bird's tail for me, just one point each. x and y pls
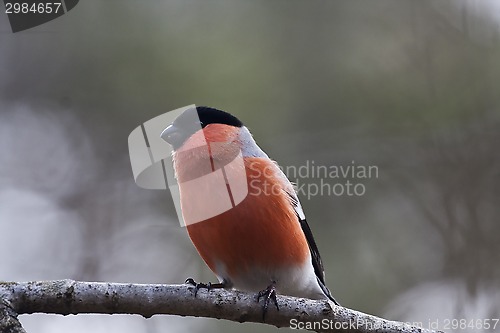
(327, 292)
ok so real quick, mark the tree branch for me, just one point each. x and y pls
(8, 319)
(74, 297)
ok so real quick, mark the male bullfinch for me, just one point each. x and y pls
(261, 243)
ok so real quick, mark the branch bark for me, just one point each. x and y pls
(74, 297)
(8, 319)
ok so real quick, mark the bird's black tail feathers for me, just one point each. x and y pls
(327, 292)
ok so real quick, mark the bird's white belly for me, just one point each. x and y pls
(299, 281)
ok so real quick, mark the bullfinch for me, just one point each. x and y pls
(261, 242)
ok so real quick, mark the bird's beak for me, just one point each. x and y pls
(171, 134)
(176, 136)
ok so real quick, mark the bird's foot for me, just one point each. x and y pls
(208, 286)
(269, 294)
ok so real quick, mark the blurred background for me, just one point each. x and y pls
(411, 87)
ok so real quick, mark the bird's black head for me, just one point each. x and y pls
(192, 120)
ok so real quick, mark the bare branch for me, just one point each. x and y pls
(73, 297)
(8, 319)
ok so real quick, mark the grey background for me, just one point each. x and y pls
(409, 86)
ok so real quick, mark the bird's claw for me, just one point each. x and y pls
(208, 286)
(269, 294)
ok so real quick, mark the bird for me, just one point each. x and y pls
(260, 242)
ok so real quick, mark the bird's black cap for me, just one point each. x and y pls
(208, 115)
(187, 123)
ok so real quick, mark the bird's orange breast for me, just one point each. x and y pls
(262, 231)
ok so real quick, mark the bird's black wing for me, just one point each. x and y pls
(313, 248)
